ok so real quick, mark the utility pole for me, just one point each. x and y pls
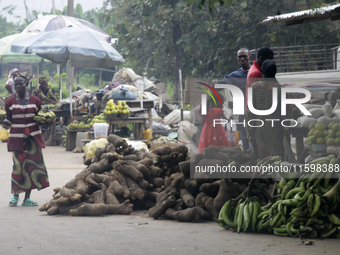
(53, 7)
(70, 11)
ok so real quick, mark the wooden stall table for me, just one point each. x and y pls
(138, 123)
(148, 104)
(64, 114)
(99, 106)
(79, 115)
(299, 133)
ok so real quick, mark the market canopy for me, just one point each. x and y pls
(54, 22)
(7, 56)
(82, 47)
(331, 12)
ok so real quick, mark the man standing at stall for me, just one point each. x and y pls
(10, 83)
(239, 79)
(255, 72)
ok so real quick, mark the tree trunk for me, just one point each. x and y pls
(178, 62)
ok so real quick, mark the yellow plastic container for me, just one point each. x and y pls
(147, 134)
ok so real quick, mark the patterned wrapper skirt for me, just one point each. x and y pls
(29, 170)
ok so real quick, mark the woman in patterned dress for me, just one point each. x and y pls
(25, 141)
(267, 140)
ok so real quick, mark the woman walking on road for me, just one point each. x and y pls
(25, 141)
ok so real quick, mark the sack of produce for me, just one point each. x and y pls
(316, 112)
(123, 94)
(305, 121)
(327, 109)
(4, 133)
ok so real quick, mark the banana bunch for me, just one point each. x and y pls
(78, 125)
(44, 116)
(4, 134)
(2, 114)
(240, 214)
(305, 207)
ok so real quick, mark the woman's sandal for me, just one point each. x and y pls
(29, 202)
(14, 201)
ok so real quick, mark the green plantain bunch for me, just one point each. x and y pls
(44, 115)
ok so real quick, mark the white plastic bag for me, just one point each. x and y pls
(185, 132)
(90, 147)
(316, 112)
(175, 117)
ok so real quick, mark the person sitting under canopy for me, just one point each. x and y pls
(44, 93)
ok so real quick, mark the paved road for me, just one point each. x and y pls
(28, 231)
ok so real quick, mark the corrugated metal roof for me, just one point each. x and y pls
(329, 12)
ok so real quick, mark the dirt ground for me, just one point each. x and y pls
(25, 230)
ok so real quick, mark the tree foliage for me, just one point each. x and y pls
(209, 40)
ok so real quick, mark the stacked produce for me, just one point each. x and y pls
(201, 198)
(114, 176)
(112, 108)
(44, 115)
(304, 207)
(2, 114)
(78, 126)
(51, 106)
(324, 114)
(98, 119)
(318, 134)
(118, 176)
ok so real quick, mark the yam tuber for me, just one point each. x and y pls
(130, 157)
(71, 194)
(90, 210)
(117, 141)
(179, 205)
(122, 181)
(162, 150)
(209, 205)
(136, 191)
(98, 152)
(124, 208)
(110, 197)
(130, 171)
(160, 208)
(223, 196)
(117, 188)
(100, 167)
(53, 210)
(191, 185)
(156, 171)
(144, 184)
(66, 209)
(187, 198)
(99, 196)
(199, 197)
(187, 215)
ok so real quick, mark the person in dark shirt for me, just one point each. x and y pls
(239, 79)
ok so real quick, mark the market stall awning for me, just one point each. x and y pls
(331, 12)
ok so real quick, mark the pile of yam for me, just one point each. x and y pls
(119, 179)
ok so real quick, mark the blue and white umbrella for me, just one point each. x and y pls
(83, 48)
